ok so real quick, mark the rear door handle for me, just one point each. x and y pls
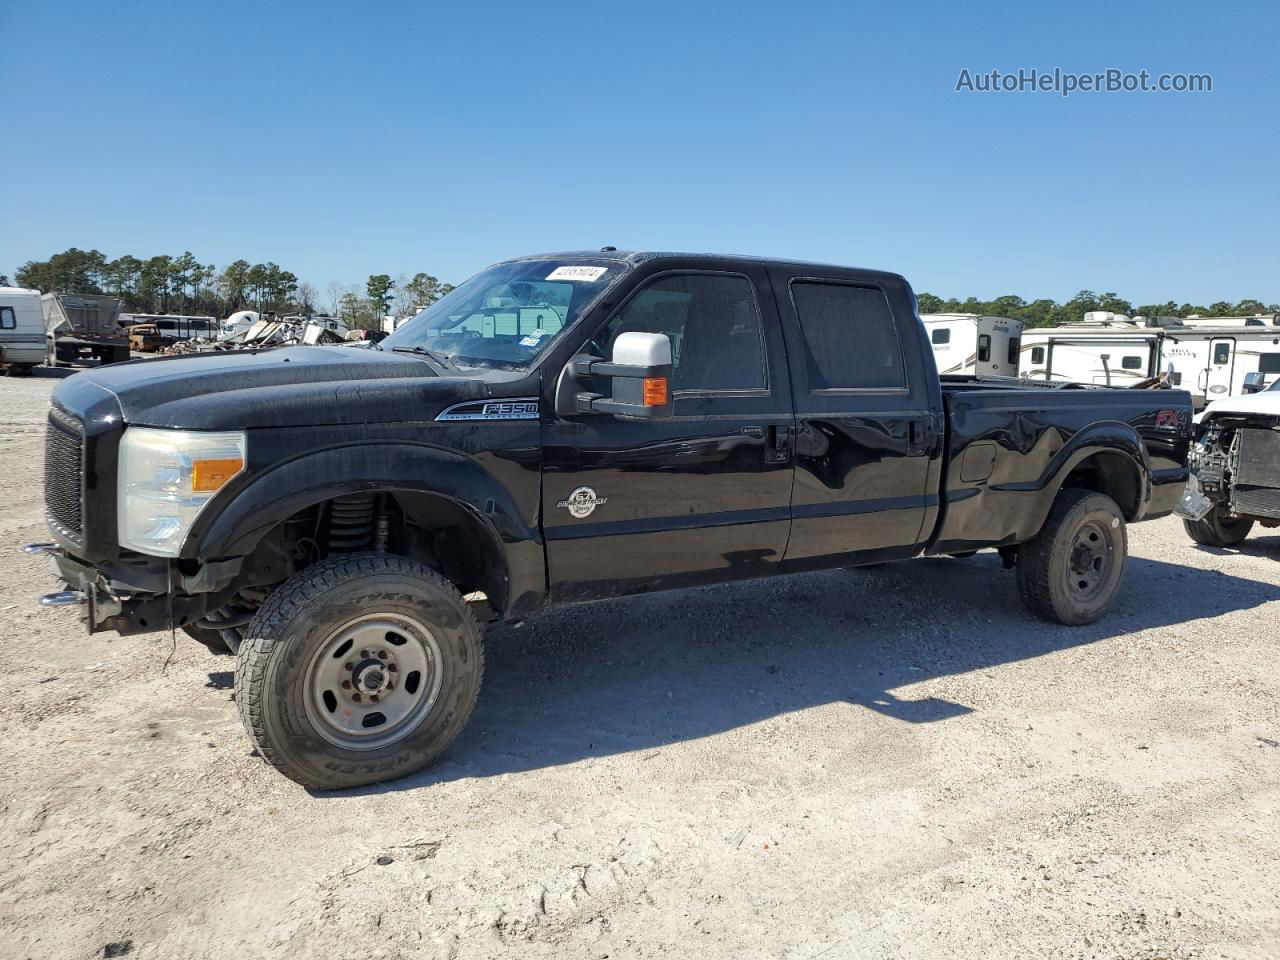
(778, 449)
(915, 436)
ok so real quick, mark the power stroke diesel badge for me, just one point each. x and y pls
(582, 502)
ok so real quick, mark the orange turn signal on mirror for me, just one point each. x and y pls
(655, 391)
(210, 475)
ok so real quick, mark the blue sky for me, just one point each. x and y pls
(344, 139)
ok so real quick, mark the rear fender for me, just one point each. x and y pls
(1116, 446)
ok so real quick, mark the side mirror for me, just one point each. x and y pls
(1254, 383)
(640, 372)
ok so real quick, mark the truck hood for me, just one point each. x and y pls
(287, 386)
(1266, 402)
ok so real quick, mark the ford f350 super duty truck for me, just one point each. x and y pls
(562, 428)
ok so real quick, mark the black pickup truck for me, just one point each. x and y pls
(562, 428)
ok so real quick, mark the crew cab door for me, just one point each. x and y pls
(704, 495)
(868, 417)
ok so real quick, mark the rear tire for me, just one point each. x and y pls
(1217, 530)
(360, 669)
(1070, 571)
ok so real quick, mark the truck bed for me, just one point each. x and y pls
(1009, 444)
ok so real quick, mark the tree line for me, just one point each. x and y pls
(184, 285)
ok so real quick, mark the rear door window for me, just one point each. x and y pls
(850, 340)
(984, 347)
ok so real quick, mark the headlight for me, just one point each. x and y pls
(165, 479)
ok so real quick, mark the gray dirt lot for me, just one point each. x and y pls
(896, 762)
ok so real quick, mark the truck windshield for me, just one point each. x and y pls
(507, 316)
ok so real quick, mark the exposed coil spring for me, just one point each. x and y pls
(351, 523)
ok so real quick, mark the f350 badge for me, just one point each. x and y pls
(582, 502)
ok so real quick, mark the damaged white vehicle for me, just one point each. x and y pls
(1235, 467)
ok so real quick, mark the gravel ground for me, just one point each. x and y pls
(897, 762)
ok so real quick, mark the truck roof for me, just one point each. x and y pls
(637, 257)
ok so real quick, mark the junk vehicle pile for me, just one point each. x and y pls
(270, 331)
(563, 428)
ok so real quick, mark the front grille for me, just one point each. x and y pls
(63, 472)
(1256, 502)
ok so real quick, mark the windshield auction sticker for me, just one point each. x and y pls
(583, 274)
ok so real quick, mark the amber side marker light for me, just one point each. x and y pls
(655, 391)
(212, 474)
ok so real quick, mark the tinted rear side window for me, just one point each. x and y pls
(941, 335)
(849, 337)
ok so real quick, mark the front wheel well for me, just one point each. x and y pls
(441, 533)
(1114, 474)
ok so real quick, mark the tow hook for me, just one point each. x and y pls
(32, 549)
(64, 598)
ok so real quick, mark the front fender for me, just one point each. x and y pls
(234, 527)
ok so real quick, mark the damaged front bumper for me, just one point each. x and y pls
(1193, 504)
(133, 594)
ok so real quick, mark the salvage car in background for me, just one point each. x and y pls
(83, 327)
(1235, 467)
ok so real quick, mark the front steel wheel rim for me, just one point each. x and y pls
(371, 682)
(1089, 561)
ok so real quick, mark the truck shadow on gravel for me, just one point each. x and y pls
(1254, 546)
(641, 673)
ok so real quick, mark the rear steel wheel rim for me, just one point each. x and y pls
(372, 681)
(1089, 561)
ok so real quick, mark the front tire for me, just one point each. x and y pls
(1216, 529)
(1070, 571)
(360, 669)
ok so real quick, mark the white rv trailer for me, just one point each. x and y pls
(1207, 356)
(970, 343)
(22, 342)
